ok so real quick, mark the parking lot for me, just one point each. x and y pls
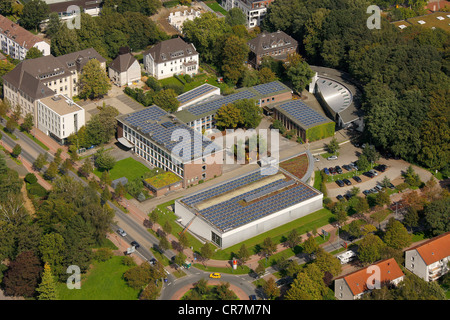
(349, 153)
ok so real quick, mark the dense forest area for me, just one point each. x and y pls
(405, 74)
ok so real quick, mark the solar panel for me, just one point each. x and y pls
(214, 105)
(301, 112)
(195, 93)
(268, 88)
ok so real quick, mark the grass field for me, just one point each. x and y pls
(216, 7)
(104, 281)
(129, 168)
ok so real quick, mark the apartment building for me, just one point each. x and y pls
(171, 57)
(354, 285)
(124, 70)
(46, 76)
(59, 117)
(277, 45)
(429, 260)
(255, 10)
(15, 41)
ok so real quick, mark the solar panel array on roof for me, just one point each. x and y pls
(301, 112)
(146, 122)
(215, 105)
(232, 213)
(195, 93)
(269, 88)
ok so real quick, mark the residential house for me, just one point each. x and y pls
(171, 57)
(430, 259)
(124, 70)
(354, 285)
(15, 41)
(254, 10)
(276, 45)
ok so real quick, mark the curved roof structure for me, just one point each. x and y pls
(336, 95)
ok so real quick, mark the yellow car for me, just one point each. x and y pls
(215, 275)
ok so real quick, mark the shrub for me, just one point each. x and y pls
(188, 78)
(30, 178)
(37, 190)
(128, 261)
(103, 254)
(402, 186)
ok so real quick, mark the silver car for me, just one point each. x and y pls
(121, 232)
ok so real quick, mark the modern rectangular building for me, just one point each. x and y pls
(171, 57)
(165, 142)
(59, 117)
(236, 210)
(15, 41)
(430, 259)
(200, 116)
(255, 10)
(305, 121)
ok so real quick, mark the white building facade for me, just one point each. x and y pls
(255, 10)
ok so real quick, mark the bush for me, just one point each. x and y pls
(188, 78)
(178, 88)
(128, 261)
(402, 186)
(30, 178)
(37, 190)
(103, 254)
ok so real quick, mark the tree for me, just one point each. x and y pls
(326, 262)
(11, 125)
(369, 249)
(299, 75)
(371, 153)
(310, 245)
(293, 239)
(106, 195)
(33, 53)
(104, 160)
(52, 171)
(167, 100)
(94, 83)
(33, 13)
(139, 276)
(40, 161)
(243, 254)
(64, 41)
(228, 117)
(183, 240)
(437, 216)
(167, 227)
(271, 289)
(362, 163)
(16, 150)
(382, 198)
(180, 259)
(206, 251)
(411, 177)
(28, 122)
(260, 269)
(164, 244)
(304, 288)
(249, 113)
(386, 182)
(51, 249)
(236, 17)
(100, 128)
(233, 54)
(54, 24)
(267, 248)
(150, 292)
(21, 279)
(354, 191)
(333, 146)
(87, 168)
(47, 287)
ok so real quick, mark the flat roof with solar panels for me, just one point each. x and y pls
(301, 114)
(158, 125)
(197, 94)
(247, 199)
(202, 109)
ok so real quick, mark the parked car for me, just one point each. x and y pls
(332, 170)
(327, 172)
(357, 179)
(347, 167)
(253, 297)
(347, 182)
(373, 190)
(121, 232)
(366, 192)
(347, 196)
(152, 261)
(339, 197)
(340, 183)
(353, 165)
(391, 186)
(373, 172)
(316, 159)
(338, 169)
(378, 187)
(381, 168)
(332, 158)
(369, 174)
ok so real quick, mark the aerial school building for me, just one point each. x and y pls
(244, 207)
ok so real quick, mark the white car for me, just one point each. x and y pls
(121, 232)
(316, 159)
(332, 158)
(374, 172)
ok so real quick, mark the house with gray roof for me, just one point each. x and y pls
(124, 70)
(171, 57)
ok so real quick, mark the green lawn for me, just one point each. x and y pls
(104, 281)
(129, 168)
(216, 7)
(198, 80)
